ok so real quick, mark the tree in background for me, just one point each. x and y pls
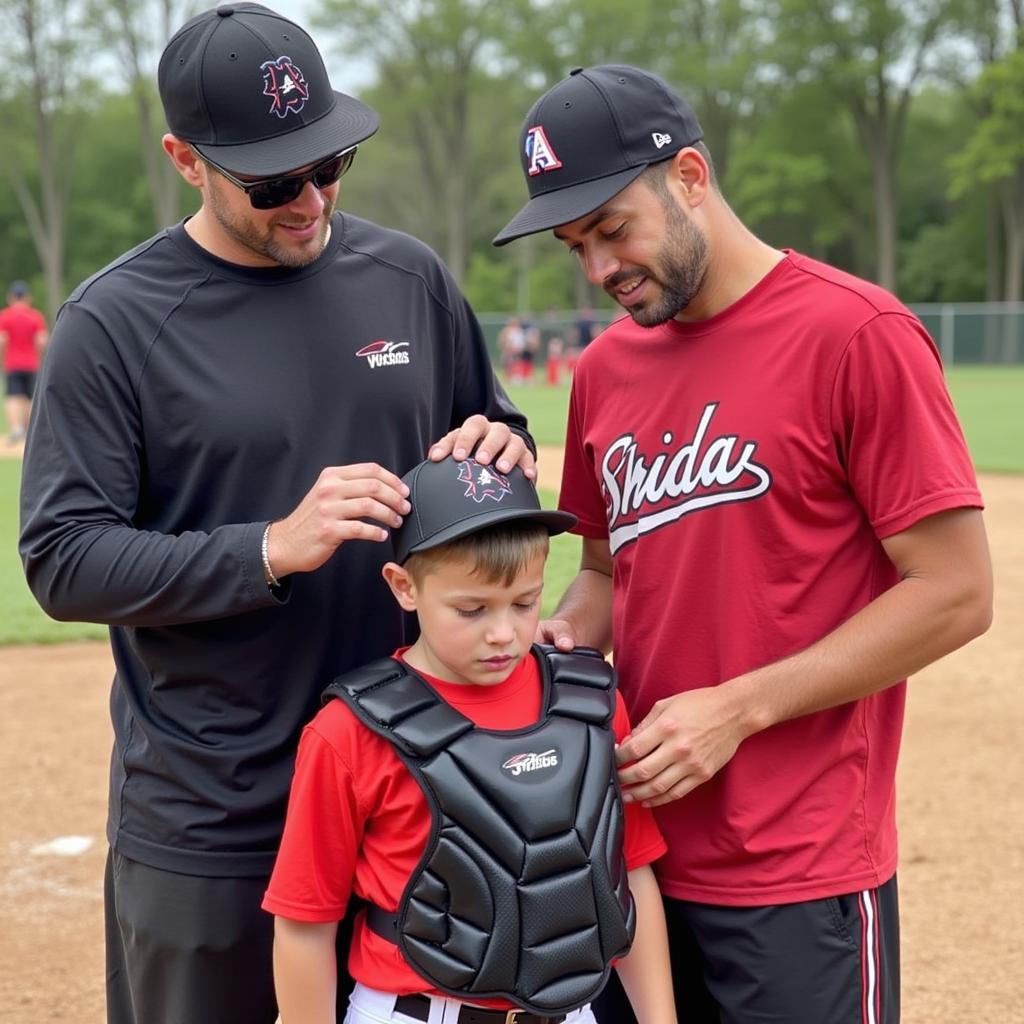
(138, 30)
(943, 241)
(986, 36)
(713, 50)
(797, 178)
(993, 158)
(44, 116)
(544, 45)
(870, 56)
(432, 59)
(452, 83)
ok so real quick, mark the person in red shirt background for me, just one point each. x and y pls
(23, 337)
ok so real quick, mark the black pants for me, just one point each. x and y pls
(829, 961)
(183, 949)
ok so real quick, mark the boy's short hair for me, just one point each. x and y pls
(498, 554)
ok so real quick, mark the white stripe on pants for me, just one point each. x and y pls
(368, 1006)
(869, 954)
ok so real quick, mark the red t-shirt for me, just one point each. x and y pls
(21, 324)
(358, 821)
(745, 469)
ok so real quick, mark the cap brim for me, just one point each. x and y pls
(347, 124)
(556, 522)
(551, 209)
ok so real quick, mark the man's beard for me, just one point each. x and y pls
(681, 262)
(260, 238)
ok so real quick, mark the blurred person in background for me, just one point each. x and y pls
(511, 343)
(584, 329)
(23, 337)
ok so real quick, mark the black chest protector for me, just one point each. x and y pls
(522, 891)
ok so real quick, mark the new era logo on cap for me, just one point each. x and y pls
(661, 139)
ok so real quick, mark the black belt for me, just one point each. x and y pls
(418, 1007)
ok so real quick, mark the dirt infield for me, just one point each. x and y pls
(961, 816)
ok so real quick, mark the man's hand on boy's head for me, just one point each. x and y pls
(557, 632)
(497, 443)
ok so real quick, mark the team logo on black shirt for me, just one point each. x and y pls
(385, 353)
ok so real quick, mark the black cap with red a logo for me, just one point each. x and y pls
(590, 136)
(249, 90)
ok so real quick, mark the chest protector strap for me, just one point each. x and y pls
(521, 892)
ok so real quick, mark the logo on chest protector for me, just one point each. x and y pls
(531, 762)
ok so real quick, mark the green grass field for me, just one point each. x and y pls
(990, 403)
(545, 407)
(989, 400)
(21, 619)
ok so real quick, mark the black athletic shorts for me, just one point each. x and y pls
(21, 382)
(827, 961)
(184, 949)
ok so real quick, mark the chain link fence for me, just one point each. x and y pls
(976, 332)
(966, 332)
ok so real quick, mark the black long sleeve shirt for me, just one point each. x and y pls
(184, 404)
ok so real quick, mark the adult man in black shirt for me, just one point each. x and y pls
(224, 409)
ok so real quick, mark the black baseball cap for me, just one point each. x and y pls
(590, 136)
(249, 90)
(450, 499)
(18, 290)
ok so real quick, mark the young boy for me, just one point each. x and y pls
(465, 790)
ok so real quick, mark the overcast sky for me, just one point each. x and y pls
(348, 74)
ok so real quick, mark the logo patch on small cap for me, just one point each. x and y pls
(539, 152)
(285, 84)
(482, 481)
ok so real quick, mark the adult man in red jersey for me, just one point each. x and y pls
(780, 523)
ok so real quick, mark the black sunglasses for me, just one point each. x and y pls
(268, 193)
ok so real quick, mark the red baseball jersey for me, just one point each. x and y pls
(21, 324)
(744, 470)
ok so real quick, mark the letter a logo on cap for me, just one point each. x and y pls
(539, 152)
(285, 84)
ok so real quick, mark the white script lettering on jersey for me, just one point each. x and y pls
(722, 470)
